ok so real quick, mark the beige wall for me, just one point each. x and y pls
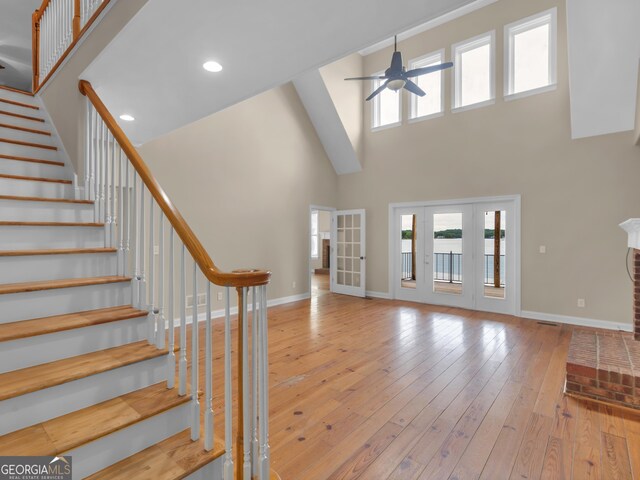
(347, 97)
(637, 136)
(61, 96)
(244, 179)
(574, 193)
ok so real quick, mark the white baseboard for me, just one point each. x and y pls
(383, 295)
(234, 310)
(579, 321)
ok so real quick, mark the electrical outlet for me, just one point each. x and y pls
(293, 284)
(156, 250)
(581, 303)
(543, 249)
(219, 295)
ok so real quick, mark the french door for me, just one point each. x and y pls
(461, 255)
(348, 252)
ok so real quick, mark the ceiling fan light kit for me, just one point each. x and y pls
(397, 77)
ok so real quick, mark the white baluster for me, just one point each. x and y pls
(160, 330)
(182, 367)
(93, 159)
(254, 384)
(114, 216)
(171, 359)
(127, 245)
(195, 420)
(87, 150)
(246, 412)
(103, 178)
(120, 223)
(153, 311)
(208, 415)
(135, 285)
(265, 450)
(142, 284)
(228, 385)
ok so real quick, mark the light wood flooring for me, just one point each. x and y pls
(376, 389)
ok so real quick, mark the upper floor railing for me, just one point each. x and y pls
(56, 28)
(169, 265)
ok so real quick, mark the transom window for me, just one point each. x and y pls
(474, 74)
(530, 53)
(386, 106)
(432, 102)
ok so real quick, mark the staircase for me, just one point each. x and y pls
(78, 374)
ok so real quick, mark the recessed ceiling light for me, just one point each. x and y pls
(127, 118)
(212, 66)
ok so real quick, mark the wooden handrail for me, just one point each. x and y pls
(238, 278)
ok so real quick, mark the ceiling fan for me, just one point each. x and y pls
(398, 77)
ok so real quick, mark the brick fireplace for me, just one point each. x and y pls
(604, 365)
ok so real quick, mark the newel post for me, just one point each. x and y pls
(76, 19)
(35, 50)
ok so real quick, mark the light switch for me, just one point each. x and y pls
(543, 249)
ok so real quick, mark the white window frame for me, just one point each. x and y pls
(375, 107)
(315, 236)
(413, 99)
(510, 31)
(457, 49)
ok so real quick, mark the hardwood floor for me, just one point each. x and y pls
(376, 389)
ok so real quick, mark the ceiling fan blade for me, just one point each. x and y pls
(396, 62)
(413, 88)
(377, 90)
(375, 77)
(424, 70)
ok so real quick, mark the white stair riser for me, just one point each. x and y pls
(23, 122)
(8, 107)
(13, 134)
(33, 268)
(28, 352)
(45, 211)
(211, 471)
(17, 97)
(36, 407)
(29, 188)
(27, 237)
(106, 451)
(30, 152)
(47, 303)
(29, 169)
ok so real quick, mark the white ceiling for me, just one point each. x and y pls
(15, 42)
(604, 49)
(153, 68)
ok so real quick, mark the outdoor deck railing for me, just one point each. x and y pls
(448, 267)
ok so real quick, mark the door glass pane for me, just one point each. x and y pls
(447, 253)
(494, 253)
(408, 251)
(348, 253)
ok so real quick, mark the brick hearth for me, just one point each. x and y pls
(604, 366)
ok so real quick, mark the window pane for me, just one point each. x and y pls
(432, 85)
(475, 75)
(386, 106)
(531, 59)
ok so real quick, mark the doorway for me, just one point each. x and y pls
(319, 250)
(462, 254)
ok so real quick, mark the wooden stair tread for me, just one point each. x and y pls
(39, 377)
(172, 459)
(31, 160)
(74, 429)
(45, 199)
(24, 129)
(59, 251)
(69, 321)
(28, 144)
(8, 288)
(12, 223)
(19, 104)
(24, 117)
(36, 179)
